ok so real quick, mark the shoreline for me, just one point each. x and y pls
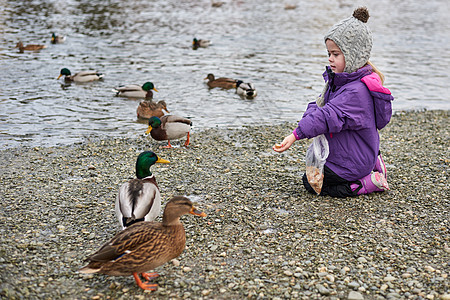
(264, 236)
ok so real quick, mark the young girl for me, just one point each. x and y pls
(352, 107)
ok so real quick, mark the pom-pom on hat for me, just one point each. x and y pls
(354, 38)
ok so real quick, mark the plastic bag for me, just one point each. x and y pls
(315, 159)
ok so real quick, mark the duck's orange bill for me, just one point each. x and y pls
(148, 129)
(196, 212)
(162, 161)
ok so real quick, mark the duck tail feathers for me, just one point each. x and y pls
(88, 270)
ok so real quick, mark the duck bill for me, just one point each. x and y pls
(167, 111)
(196, 212)
(162, 161)
(155, 89)
(148, 129)
(59, 76)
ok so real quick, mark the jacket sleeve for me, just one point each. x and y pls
(351, 109)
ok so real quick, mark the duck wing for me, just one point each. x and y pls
(129, 88)
(141, 247)
(174, 119)
(127, 241)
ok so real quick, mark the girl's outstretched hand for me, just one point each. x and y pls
(287, 142)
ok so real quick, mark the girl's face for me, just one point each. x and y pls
(335, 57)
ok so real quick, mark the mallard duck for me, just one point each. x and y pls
(57, 39)
(245, 89)
(136, 91)
(222, 82)
(30, 47)
(200, 43)
(148, 109)
(139, 198)
(168, 128)
(82, 76)
(144, 246)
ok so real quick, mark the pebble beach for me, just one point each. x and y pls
(264, 236)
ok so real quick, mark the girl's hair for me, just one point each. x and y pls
(375, 69)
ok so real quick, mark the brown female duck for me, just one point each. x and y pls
(168, 128)
(148, 109)
(222, 82)
(30, 47)
(144, 246)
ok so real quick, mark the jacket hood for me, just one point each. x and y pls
(381, 96)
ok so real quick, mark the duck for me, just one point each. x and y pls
(200, 43)
(148, 109)
(144, 246)
(222, 82)
(57, 39)
(136, 91)
(139, 198)
(82, 76)
(246, 89)
(169, 127)
(30, 47)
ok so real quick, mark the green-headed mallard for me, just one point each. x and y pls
(168, 128)
(136, 91)
(139, 199)
(222, 82)
(30, 47)
(57, 39)
(148, 109)
(82, 76)
(200, 43)
(144, 246)
(245, 89)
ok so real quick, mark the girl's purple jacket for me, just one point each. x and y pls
(356, 105)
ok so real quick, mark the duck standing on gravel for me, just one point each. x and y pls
(144, 246)
(82, 76)
(136, 91)
(168, 128)
(139, 199)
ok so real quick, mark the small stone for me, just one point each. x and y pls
(353, 295)
(288, 273)
(176, 262)
(389, 278)
(406, 275)
(323, 290)
(187, 269)
(353, 285)
(362, 260)
(430, 269)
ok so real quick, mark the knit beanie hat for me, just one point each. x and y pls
(354, 39)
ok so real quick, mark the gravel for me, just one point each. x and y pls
(264, 237)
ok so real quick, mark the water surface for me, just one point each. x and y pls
(281, 51)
